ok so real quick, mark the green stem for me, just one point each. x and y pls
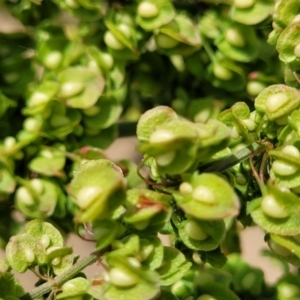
(227, 162)
(61, 279)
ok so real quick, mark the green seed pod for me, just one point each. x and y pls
(194, 231)
(53, 59)
(234, 37)
(122, 278)
(243, 4)
(29, 255)
(87, 195)
(222, 72)
(72, 4)
(70, 89)
(272, 208)
(283, 168)
(112, 42)
(165, 42)
(147, 10)
(204, 195)
(206, 297)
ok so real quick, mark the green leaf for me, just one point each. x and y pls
(286, 248)
(152, 252)
(244, 276)
(109, 113)
(10, 286)
(174, 266)
(215, 258)
(105, 231)
(5, 103)
(85, 9)
(49, 161)
(7, 181)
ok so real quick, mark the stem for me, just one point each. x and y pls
(61, 279)
(227, 162)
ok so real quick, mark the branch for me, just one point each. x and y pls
(227, 162)
(57, 281)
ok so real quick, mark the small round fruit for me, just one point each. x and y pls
(194, 231)
(272, 208)
(147, 10)
(121, 278)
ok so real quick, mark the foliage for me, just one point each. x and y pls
(210, 89)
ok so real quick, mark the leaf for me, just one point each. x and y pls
(174, 266)
(289, 248)
(108, 115)
(10, 286)
(7, 181)
(155, 259)
(5, 103)
(105, 231)
(215, 258)
(49, 162)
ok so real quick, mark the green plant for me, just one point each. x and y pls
(211, 90)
